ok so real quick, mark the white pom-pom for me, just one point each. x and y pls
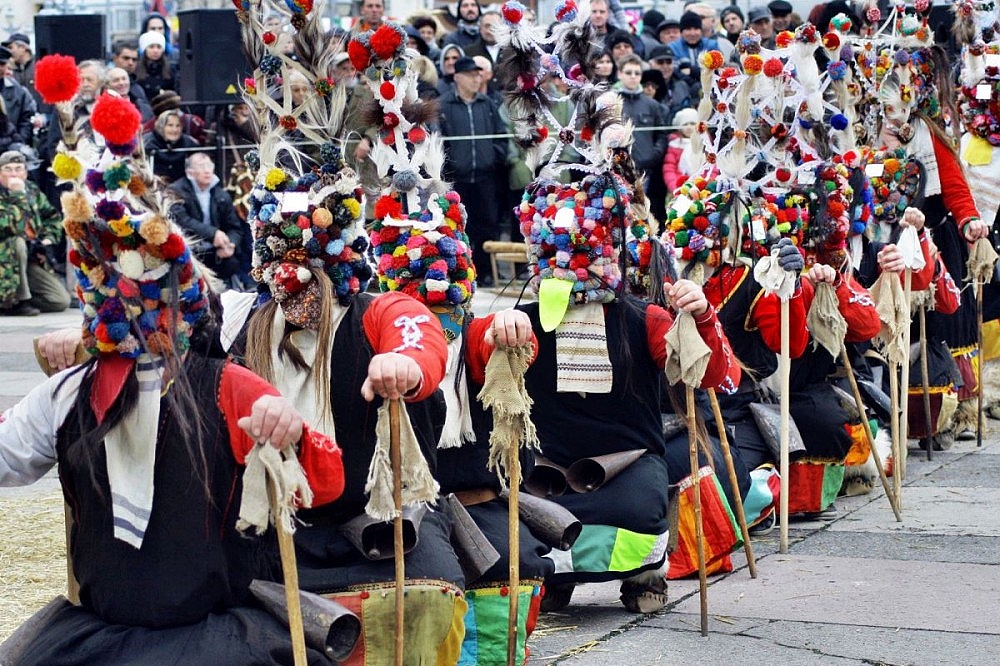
(303, 274)
(436, 285)
(131, 265)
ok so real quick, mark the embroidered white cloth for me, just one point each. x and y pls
(130, 448)
(582, 361)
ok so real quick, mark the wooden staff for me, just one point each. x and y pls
(979, 366)
(897, 483)
(698, 528)
(868, 431)
(397, 523)
(904, 382)
(514, 552)
(925, 380)
(286, 547)
(785, 406)
(731, 469)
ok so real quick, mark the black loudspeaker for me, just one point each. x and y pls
(212, 65)
(80, 36)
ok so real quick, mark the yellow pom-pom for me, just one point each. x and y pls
(322, 218)
(275, 178)
(66, 167)
(353, 206)
(121, 227)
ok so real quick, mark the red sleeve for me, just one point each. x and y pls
(395, 322)
(765, 316)
(319, 455)
(922, 279)
(947, 296)
(954, 188)
(858, 308)
(723, 372)
(478, 352)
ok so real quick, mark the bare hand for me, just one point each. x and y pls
(275, 420)
(391, 376)
(913, 217)
(891, 259)
(821, 273)
(687, 296)
(975, 230)
(511, 328)
(59, 347)
(363, 150)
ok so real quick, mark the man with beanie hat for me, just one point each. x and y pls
(732, 22)
(651, 21)
(467, 31)
(781, 15)
(692, 42)
(620, 44)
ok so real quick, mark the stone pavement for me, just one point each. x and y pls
(861, 589)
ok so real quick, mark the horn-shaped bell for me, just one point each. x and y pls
(547, 479)
(329, 627)
(475, 553)
(589, 474)
(551, 523)
(373, 538)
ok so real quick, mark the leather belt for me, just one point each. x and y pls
(476, 496)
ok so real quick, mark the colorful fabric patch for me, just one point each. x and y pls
(764, 494)
(721, 534)
(487, 620)
(603, 548)
(433, 623)
(813, 486)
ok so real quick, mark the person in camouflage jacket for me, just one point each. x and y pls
(30, 227)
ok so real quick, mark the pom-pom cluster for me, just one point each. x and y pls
(425, 254)
(575, 233)
(699, 230)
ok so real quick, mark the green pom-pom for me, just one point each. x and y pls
(681, 238)
(291, 231)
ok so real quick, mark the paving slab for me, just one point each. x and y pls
(939, 510)
(651, 646)
(902, 546)
(886, 646)
(970, 471)
(887, 593)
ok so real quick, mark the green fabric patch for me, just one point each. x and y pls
(605, 548)
(833, 478)
(486, 625)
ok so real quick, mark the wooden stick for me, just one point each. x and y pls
(286, 548)
(699, 533)
(733, 483)
(904, 381)
(979, 366)
(784, 368)
(925, 380)
(514, 553)
(868, 431)
(72, 584)
(897, 482)
(397, 523)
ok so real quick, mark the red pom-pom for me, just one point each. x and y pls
(587, 133)
(388, 207)
(359, 55)
(390, 120)
(773, 67)
(386, 41)
(269, 38)
(417, 135)
(115, 118)
(543, 132)
(387, 90)
(512, 13)
(783, 174)
(172, 248)
(56, 78)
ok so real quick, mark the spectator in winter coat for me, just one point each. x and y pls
(669, 31)
(154, 71)
(675, 94)
(450, 54)
(733, 23)
(165, 146)
(206, 213)
(467, 31)
(474, 165)
(692, 42)
(676, 161)
(620, 44)
(650, 138)
(651, 21)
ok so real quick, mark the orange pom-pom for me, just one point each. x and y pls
(75, 207)
(56, 78)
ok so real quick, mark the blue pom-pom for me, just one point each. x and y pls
(454, 295)
(436, 275)
(335, 247)
(857, 227)
(839, 121)
(149, 290)
(447, 246)
(118, 331)
(148, 319)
